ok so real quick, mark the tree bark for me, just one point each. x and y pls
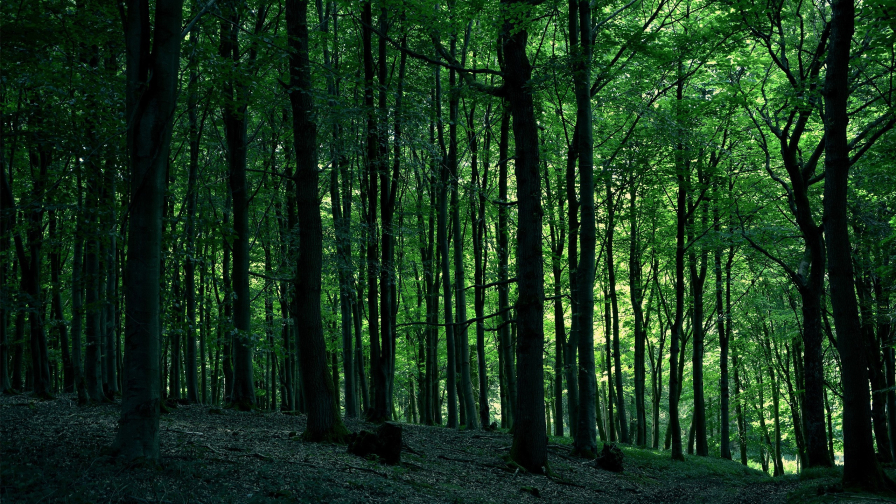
(529, 447)
(324, 423)
(505, 348)
(150, 112)
(637, 296)
(860, 467)
(585, 438)
(614, 306)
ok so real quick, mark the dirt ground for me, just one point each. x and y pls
(55, 451)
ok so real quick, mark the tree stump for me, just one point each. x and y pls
(385, 443)
(610, 458)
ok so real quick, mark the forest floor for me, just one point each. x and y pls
(55, 451)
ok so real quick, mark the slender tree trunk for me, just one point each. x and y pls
(614, 305)
(637, 295)
(677, 329)
(570, 358)
(451, 379)
(477, 211)
(505, 349)
(58, 316)
(698, 278)
(461, 333)
(585, 438)
(190, 231)
(722, 328)
(77, 307)
(235, 126)
(111, 277)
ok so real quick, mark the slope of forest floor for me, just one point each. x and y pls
(55, 451)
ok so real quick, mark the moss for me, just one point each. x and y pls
(336, 435)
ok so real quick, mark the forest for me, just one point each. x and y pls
(666, 224)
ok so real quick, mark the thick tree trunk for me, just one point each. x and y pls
(150, 109)
(697, 268)
(529, 447)
(860, 467)
(324, 423)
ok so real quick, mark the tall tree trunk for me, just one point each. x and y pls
(324, 423)
(461, 334)
(529, 447)
(637, 295)
(150, 109)
(572, 343)
(226, 325)
(477, 212)
(190, 231)
(614, 305)
(740, 412)
(381, 353)
(697, 263)
(776, 404)
(585, 435)
(58, 316)
(77, 306)
(444, 171)
(377, 411)
(340, 221)
(111, 278)
(505, 348)
(235, 120)
(677, 329)
(722, 328)
(860, 467)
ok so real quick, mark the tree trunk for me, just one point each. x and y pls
(150, 107)
(723, 330)
(461, 333)
(324, 423)
(585, 435)
(677, 329)
(478, 218)
(860, 467)
(570, 357)
(190, 231)
(614, 305)
(235, 120)
(505, 348)
(637, 295)
(529, 447)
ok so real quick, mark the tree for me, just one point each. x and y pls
(529, 448)
(860, 467)
(153, 49)
(324, 423)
